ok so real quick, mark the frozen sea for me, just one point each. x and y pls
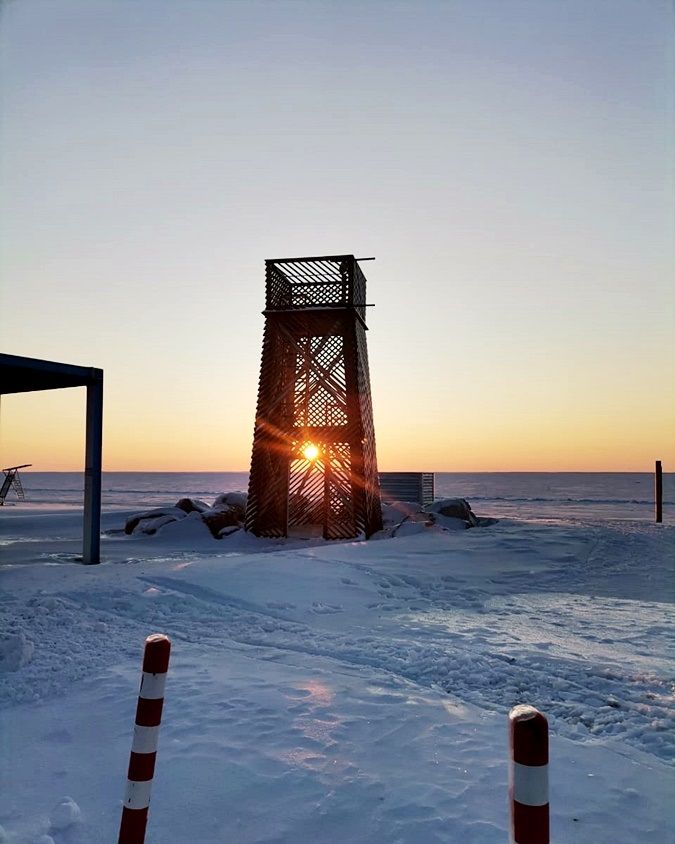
(575, 495)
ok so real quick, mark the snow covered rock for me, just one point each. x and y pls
(191, 505)
(145, 522)
(15, 652)
(229, 510)
(231, 500)
(217, 520)
(228, 530)
(394, 512)
(450, 512)
(152, 525)
(4, 838)
(455, 508)
(65, 814)
(404, 518)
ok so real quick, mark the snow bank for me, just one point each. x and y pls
(351, 691)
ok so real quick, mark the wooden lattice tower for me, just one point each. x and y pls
(313, 468)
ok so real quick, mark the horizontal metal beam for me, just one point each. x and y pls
(25, 375)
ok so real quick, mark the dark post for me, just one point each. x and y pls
(658, 491)
(91, 551)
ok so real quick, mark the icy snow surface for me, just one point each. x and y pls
(324, 692)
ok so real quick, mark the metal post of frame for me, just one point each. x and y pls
(91, 551)
(27, 375)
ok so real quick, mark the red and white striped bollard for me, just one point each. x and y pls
(528, 776)
(146, 734)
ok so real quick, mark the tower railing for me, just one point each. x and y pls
(334, 281)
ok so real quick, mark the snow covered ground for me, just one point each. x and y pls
(324, 692)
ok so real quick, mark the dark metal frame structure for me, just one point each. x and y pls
(24, 375)
(12, 480)
(314, 466)
(417, 487)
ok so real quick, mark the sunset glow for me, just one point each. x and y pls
(310, 452)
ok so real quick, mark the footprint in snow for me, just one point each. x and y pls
(294, 692)
(325, 609)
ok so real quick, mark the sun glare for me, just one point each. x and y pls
(310, 452)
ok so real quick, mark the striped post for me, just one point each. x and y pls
(528, 776)
(144, 745)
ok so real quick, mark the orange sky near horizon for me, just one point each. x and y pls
(47, 430)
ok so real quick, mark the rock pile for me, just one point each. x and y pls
(402, 518)
(226, 516)
(223, 517)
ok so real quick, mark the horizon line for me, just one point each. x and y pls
(434, 471)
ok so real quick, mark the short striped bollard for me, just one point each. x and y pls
(144, 745)
(528, 776)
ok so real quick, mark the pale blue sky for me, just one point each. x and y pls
(509, 164)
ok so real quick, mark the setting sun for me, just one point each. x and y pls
(310, 452)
